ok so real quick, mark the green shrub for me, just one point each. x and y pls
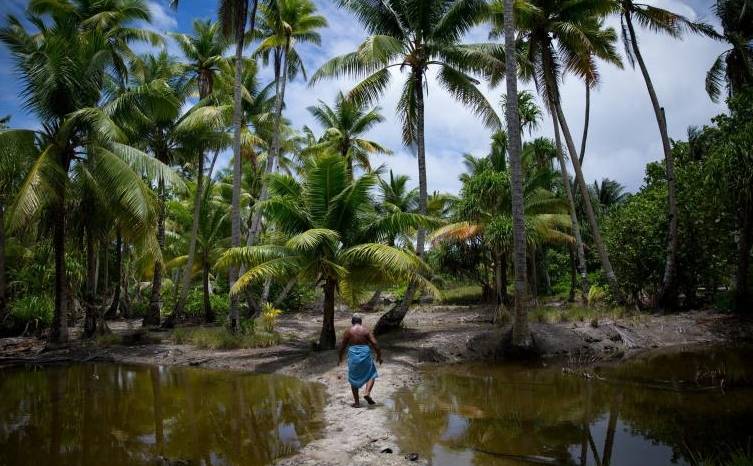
(36, 310)
(269, 315)
(596, 295)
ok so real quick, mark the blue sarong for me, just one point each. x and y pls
(361, 367)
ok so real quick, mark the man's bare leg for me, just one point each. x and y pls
(357, 403)
(367, 391)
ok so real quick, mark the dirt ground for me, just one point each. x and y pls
(431, 334)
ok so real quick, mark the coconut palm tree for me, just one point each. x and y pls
(335, 237)
(151, 110)
(413, 36)
(343, 127)
(64, 66)
(484, 211)
(284, 24)
(204, 52)
(733, 68)
(659, 20)
(212, 239)
(565, 36)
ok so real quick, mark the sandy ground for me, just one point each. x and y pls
(362, 436)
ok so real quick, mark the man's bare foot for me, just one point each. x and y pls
(369, 400)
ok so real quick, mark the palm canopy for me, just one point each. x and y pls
(333, 232)
(484, 210)
(282, 25)
(415, 35)
(560, 36)
(343, 127)
(733, 68)
(204, 52)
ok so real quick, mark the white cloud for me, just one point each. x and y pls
(623, 135)
(162, 19)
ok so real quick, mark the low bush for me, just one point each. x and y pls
(34, 311)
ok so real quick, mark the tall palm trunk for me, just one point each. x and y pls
(587, 119)
(520, 334)
(90, 317)
(152, 316)
(327, 339)
(187, 271)
(255, 230)
(208, 312)
(574, 224)
(598, 241)
(392, 319)
(205, 88)
(235, 207)
(3, 299)
(115, 303)
(59, 329)
(667, 296)
(556, 108)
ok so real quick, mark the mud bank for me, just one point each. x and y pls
(432, 334)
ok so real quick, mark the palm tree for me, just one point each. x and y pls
(335, 237)
(64, 66)
(285, 23)
(158, 89)
(343, 127)
(212, 238)
(412, 36)
(204, 51)
(565, 36)
(734, 66)
(659, 20)
(484, 211)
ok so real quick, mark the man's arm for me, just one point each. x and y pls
(375, 347)
(343, 345)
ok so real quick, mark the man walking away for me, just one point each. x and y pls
(360, 342)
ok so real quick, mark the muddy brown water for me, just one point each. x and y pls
(112, 414)
(657, 410)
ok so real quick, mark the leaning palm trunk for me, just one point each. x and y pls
(235, 208)
(208, 312)
(285, 291)
(520, 334)
(575, 225)
(152, 316)
(598, 241)
(394, 317)
(587, 119)
(667, 295)
(187, 271)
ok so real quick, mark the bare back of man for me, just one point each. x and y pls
(359, 336)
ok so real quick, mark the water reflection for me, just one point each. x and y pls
(94, 414)
(650, 412)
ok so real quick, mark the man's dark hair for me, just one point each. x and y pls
(356, 319)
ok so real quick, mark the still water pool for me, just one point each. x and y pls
(658, 410)
(110, 414)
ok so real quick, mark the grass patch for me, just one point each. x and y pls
(553, 315)
(221, 338)
(470, 294)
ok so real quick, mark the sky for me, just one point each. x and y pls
(623, 134)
